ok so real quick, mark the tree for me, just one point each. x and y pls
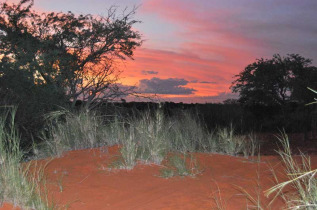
(276, 81)
(49, 59)
(73, 54)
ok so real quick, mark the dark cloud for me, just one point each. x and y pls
(172, 86)
(203, 82)
(206, 82)
(149, 72)
(282, 28)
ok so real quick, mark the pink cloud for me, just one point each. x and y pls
(181, 65)
(201, 21)
(212, 41)
(210, 50)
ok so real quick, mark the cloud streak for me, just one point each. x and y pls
(149, 72)
(170, 86)
(206, 42)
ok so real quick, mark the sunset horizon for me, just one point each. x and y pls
(158, 104)
(192, 50)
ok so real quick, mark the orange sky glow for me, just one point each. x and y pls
(193, 49)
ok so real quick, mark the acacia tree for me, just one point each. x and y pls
(49, 59)
(75, 55)
(273, 82)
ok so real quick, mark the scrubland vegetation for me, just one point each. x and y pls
(147, 138)
(21, 184)
(59, 71)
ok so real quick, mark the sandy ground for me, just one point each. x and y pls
(82, 180)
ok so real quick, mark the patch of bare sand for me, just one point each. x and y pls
(82, 180)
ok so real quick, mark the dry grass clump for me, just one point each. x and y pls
(145, 137)
(226, 141)
(301, 179)
(129, 152)
(20, 185)
(151, 133)
(180, 164)
(150, 136)
(68, 131)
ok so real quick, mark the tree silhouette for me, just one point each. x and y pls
(76, 55)
(49, 59)
(275, 81)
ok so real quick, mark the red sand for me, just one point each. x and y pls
(82, 180)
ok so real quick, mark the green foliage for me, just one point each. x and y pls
(115, 130)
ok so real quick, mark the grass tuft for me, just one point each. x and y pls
(232, 144)
(181, 165)
(129, 152)
(68, 131)
(152, 135)
(21, 184)
(301, 179)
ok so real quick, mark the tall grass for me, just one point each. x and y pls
(19, 184)
(147, 137)
(226, 141)
(154, 135)
(229, 143)
(73, 131)
(301, 179)
(152, 132)
(129, 152)
(187, 133)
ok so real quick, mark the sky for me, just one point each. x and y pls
(193, 49)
